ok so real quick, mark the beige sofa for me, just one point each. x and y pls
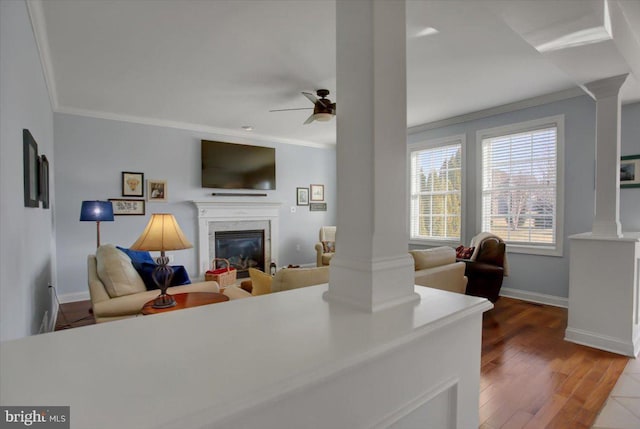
(117, 291)
(437, 268)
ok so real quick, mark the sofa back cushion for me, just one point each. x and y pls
(260, 282)
(294, 278)
(429, 258)
(117, 272)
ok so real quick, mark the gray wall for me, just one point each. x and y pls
(27, 253)
(548, 274)
(630, 141)
(91, 154)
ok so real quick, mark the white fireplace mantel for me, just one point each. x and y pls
(215, 212)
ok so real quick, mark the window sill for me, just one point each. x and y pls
(531, 250)
(434, 243)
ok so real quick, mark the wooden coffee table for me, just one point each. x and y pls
(186, 300)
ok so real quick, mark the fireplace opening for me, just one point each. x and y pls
(243, 249)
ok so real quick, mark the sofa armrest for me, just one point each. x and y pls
(319, 250)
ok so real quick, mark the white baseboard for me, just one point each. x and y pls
(73, 297)
(602, 342)
(540, 298)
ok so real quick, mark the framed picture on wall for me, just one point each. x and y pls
(302, 196)
(317, 192)
(44, 181)
(126, 207)
(132, 184)
(31, 167)
(156, 190)
(630, 171)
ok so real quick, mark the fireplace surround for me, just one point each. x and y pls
(238, 215)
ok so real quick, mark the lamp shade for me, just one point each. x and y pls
(162, 233)
(96, 211)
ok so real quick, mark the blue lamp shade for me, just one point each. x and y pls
(96, 211)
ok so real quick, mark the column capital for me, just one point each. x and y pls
(607, 87)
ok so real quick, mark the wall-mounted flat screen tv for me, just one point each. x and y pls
(238, 166)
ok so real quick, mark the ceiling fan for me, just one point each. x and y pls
(323, 108)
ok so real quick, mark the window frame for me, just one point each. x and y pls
(432, 144)
(523, 127)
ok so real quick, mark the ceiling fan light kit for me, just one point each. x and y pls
(323, 108)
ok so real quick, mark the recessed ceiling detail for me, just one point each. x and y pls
(209, 63)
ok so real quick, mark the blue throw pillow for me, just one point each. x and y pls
(137, 256)
(145, 269)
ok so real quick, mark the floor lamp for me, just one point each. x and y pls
(96, 211)
(162, 233)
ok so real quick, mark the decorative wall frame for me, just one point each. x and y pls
(156, 190)
(630, 171)
(318, 207)
(127, 207)
(317, 192)
(132, 184)
(31, 166)
(302, 196)
(44, 182)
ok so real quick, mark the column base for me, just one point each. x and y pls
(372, 285)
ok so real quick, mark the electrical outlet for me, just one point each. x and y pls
(293, 209)
(171, 257)
(298, 247)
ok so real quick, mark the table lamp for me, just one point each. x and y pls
(162, 233)
(96, 211)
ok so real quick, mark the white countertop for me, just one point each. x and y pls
(209, 362)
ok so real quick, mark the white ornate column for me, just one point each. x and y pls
(372, 268)
(606, 92)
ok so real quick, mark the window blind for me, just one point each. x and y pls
(519, 186)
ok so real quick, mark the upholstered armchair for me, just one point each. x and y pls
(487, 266)
(327, 245)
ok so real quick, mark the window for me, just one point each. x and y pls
(436, 190)
(521, 184)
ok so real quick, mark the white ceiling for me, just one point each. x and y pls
(222, 64)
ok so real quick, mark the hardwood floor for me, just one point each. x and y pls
(530, 377)
(74, 314)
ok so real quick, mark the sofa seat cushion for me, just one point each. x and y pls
(130, 305)
(117, 273)
(429, 258)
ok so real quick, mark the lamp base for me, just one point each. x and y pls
(164, 300)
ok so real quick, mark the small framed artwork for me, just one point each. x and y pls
(318, 207)
(302, 196)
(31, 166)
(317, 193)
(630, 171)
(126, 207)
(132, 184)
(157, 190)
(44, 182)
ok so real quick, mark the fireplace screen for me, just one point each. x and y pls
(243, 249)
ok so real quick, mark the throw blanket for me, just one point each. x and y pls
(478, 239)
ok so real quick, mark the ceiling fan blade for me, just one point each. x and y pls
(286, 110)
(312, 98)
(309, 120)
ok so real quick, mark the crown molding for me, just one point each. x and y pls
(39, 27)
(239, 136)
(497, 110)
